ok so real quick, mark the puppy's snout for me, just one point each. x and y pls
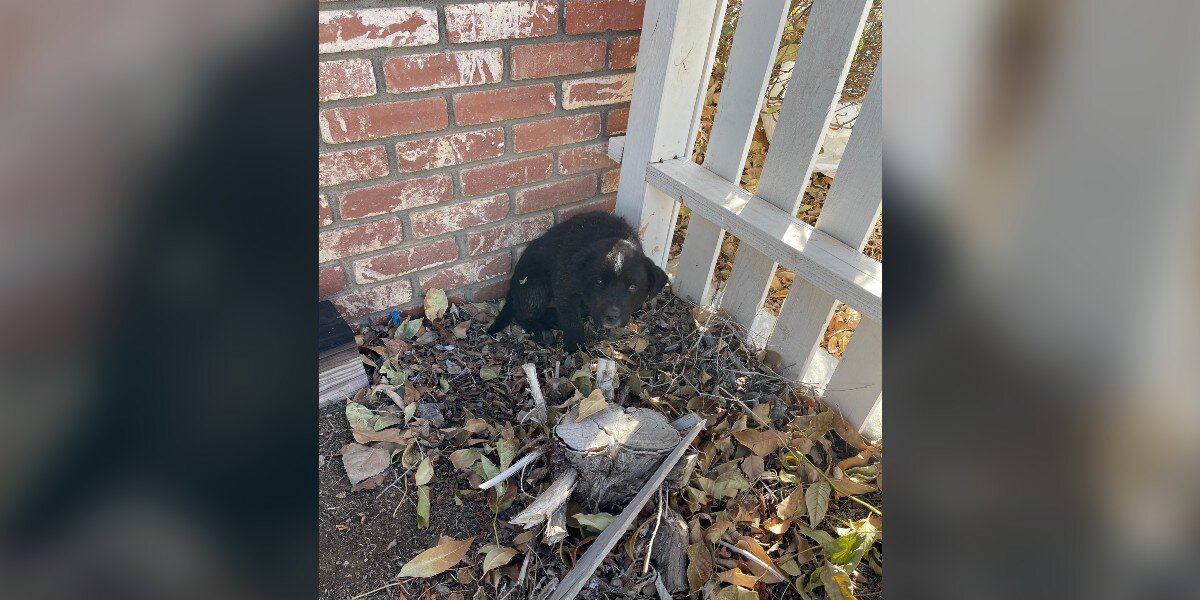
(612, 312)
(612, 317)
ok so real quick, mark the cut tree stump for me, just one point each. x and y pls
(614, 451)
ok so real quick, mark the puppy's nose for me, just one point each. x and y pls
(612, 312)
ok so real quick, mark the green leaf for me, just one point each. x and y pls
(422, 507)
(851, 548)
(443, 385)
(408, 329)
(595, 522)
(787, 53)
(489, 469)
(359, 416)
(729, 484)
(435, 304)
(497, 557)
(409, 411)
(488, 373)
(424, 472)
(463, 459)
(437, 559)
(507, 450)
(816, 498)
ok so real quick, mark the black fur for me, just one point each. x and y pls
(591, 265)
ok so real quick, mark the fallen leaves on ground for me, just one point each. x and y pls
(437, 559)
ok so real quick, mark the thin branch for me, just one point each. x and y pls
(532, 456)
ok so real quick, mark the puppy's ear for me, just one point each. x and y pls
(656, 276)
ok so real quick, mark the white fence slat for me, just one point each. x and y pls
(829, 264)
(826, 50)
(856, 388)
(747, 72)
(849, 214)
(675, 46)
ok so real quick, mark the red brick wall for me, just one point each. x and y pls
(452, 134)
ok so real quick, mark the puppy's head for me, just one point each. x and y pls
(615, 279)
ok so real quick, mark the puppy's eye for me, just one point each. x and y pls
(599, 282)
(633, 287)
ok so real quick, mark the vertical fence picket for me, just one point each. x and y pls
(856, 388)
(676, 44)
(826, 50)
(849, 214)
(748, 70)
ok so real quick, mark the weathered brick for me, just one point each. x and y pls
(473, 108)
(491, 291)
(400, 195)
(584, 158)
(368, 237)
(445, 219)
(590, 16)
(489, 21)
(558, 131)
(551, 60)
(324, 213)
(340, 79)
(617, 121)
(597, 91)
(513, 233)
(367, 28)
(555, 194)
(405, 261)
(467, 272)
(416, 72)
(330, 280)
(447, 150)
(374, 121)
(511, 173)
(335, 168)
(604, 204)
(374, 299)
(609, 181)
(624, 53)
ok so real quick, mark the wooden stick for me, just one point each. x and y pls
(535, 388)
(532, 456)
(556, 525)
(663, 594)
(606, 375)
(574, 580)
(548, 502)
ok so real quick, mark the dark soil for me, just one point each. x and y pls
(375, 544)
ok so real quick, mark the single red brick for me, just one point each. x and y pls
(558, 131)
(374, 121)
(618, 121)
(374, 299)
(336, 168)
(368, 237)
(339, 79)
(324, 213)
(554, 194)
(416, 72)
(399, 195)
(447, 150)
(330, 280)
(513, 233)
(367, 28)
(405, 261)
(467, 272)
(446, 219)
(551, 60)
(490, 291)
(607, 205)
(481, 180)
(584, 158)
(490, 21)
(624, 53)
(596, 91)
(609, 181)
(591, 16)
(473, 108)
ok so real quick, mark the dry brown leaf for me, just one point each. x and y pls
(849, 487)
(792, 506)
(753, 467)
(761, 443)
(776, 525)
(437, 559)
(362, 436)
(591, 405)
(717, 529)
(738, 577)
(700, 565)
(748, 544)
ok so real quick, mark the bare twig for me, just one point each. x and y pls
(535, 388)
(653, 534)
(758, 561)
(517, 466)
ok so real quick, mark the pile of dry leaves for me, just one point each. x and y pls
(784, 502)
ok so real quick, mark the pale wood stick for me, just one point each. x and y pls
(548, 501)
(754, 558)
(535, 388)
(517, 466)
(606, 375)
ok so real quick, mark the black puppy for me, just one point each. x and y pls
(589, 265)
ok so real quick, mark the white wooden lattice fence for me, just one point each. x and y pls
(677, 47)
